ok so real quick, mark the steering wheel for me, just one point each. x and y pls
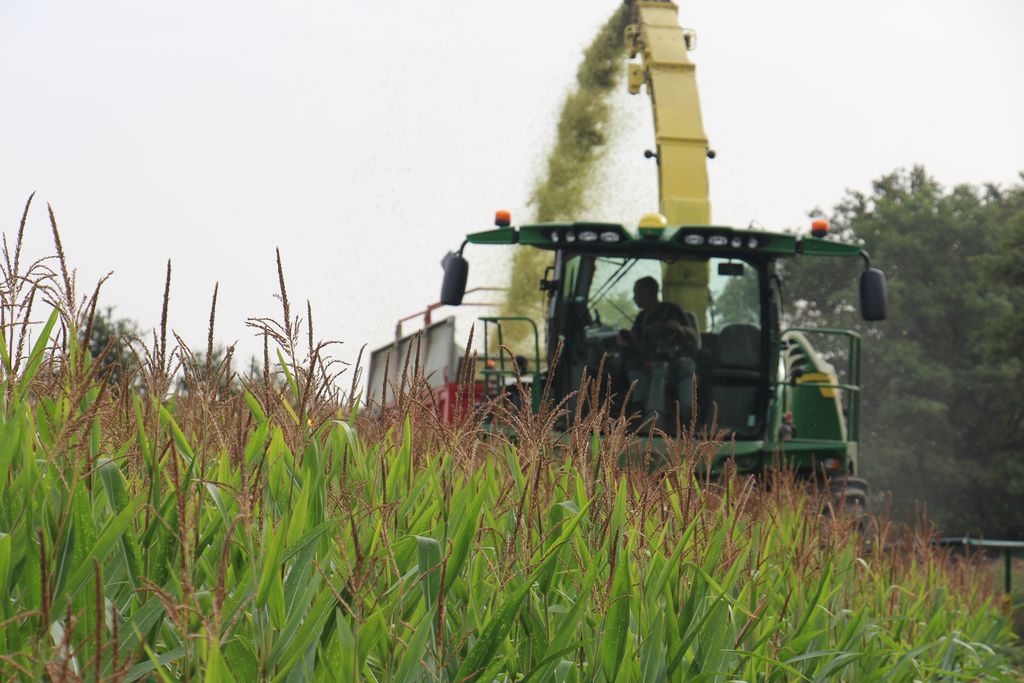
(659, 340)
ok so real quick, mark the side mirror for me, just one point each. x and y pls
(456, 270)
(874, 297)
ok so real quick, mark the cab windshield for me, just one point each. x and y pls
(684, 335)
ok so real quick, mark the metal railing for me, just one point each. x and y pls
(1008, 548)
(501, 358)
(495, 372)
(852, 386)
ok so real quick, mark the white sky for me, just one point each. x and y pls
(365, 139)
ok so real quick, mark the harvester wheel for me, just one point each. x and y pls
(851, 495)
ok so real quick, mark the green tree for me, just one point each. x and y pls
(212, 373)
(738, 302)
(110, 341)
(942, 409)
(1006, 269)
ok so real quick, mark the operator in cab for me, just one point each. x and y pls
(659, 357)
(654, 313)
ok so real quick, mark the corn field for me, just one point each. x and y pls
(189, 524)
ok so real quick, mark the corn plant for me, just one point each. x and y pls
(274, 532)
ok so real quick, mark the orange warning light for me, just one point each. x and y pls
(489, 363)
(819, 227)
(502, 218)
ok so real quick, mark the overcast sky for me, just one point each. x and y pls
(365, 139)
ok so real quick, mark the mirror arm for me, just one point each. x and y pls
(863, 254)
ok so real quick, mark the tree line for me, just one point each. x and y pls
(943, 377)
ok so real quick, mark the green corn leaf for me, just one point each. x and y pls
(429, 553)
(299, 612)
(35, 359)
(142, 622)
(276, 602)
(616, 623)
(184, 447)
(84, 525)
(794, 674)
(371, 632)
(306, 635)
(299, 573)
(216, 669)
(143, 439)
(346, 645)
(244, 664)
(94, 438)
(410, 669)
(460, 545)
(65, 559)
(111, 534)
(310, 537)
(255, 447)
(555, 516)
(10, 439)
(653, 666)
(273, 547)
(837, 664)
(568, 624)
(117, 493)
(5, 569)
(155, 663)
(291, 381)
(299, 510)
(5, 356)
(550, 661)
(254, 407)
(161, 541)
(499, 624)
(811, 606)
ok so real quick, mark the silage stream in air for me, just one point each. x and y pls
(581, 139)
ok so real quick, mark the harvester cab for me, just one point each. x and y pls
(714, 348)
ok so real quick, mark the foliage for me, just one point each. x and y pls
(738, 302)
(110, 342)
(275, 535)
(212, 370)
(343, 558)
(1006, 270)
(943, 376)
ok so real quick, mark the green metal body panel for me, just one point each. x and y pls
(499, 236)
(664, 240)
(800, 454)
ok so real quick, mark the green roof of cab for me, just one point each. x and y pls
(545, 236)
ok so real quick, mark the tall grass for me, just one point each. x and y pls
(270, 532)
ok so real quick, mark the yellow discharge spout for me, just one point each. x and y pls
(682, 145)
